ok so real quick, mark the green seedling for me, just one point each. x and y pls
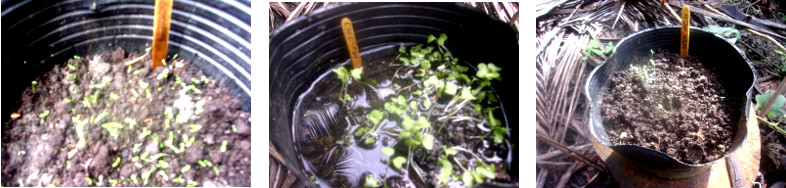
(372, 181)
(178, 180)
(163, 175)
(192, 183)
(162, 164)
(117, 162)
(133, 178)
(100, 117)
(34, 83)
(215, 169)
(77, 57)
(112, 182)
(399, 161)
(224, 146)
(185, 169)
(80, 128)
(146, 174)
(234, 129)
(195, 128)
(89, 180)
(594, 47)
(113, 128)
(43, 114)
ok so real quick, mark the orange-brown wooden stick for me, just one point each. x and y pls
(349, 36)
(163, 14)
(685, 34)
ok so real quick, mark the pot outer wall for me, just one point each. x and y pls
(309, 46)
(215, 36)
(730, 65)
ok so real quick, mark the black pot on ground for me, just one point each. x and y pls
(214, 36)
(309, 46)
(731, 66)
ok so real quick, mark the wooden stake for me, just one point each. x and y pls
(163, 15)
(685, 34)
(349, 36)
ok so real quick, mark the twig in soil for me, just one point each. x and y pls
(136, 59)
(572, 153)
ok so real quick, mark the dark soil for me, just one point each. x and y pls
(680, 110)
(41, 149)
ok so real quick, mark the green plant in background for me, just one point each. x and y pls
(727, 32)
(776, 109)
(594, 47)
(774, 112)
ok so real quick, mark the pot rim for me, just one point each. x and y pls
(648, 30)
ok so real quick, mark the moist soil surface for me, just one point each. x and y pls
(137, 127)
(324, 121)
(664, 105)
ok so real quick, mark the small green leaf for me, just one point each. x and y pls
(593, 44)
(356, 73)
(413, 105)
(371, 181)
(361, 131)
(450, 151)
(431, 81)
(422, 123)
(117, 162)
(450, 88)
(407, 122)
(467, 179)
(775, 111)
(442, 39)
(425, 64)
(404, 59)
(388, 151)
(375, 116)
(402, 49)
(466, 93)
(398, 161)
(499, 137)
(342, 74)
(428, 141)
(369, 140)
(43, 114)
(609, 48)
(447, 167)
(431, 38)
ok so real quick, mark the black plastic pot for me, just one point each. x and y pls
(731, 66)
(214, 36)
(309, 46)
